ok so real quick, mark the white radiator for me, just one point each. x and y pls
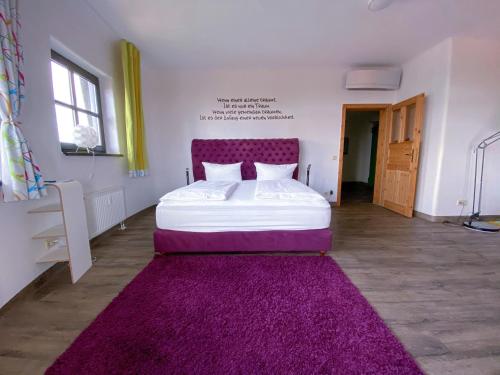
(105, 208)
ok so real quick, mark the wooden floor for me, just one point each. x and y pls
(436, 286)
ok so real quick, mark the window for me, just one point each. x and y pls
(77, 101)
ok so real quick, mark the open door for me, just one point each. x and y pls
(403, 148)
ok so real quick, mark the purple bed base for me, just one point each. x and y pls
(313, 240)
(225, 151)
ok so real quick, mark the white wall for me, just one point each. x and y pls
(359, 131)
(473, 114)
(461, 79)
(429, 73)
(314, 96)
(73, 24)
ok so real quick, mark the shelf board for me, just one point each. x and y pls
(54, 254)
(54, 232)
(55, 207)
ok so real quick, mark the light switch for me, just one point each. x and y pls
(334, 157)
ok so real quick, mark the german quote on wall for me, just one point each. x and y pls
(244, 109)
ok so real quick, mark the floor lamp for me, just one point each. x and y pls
(474, 220)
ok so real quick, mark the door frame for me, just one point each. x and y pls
(383, 109)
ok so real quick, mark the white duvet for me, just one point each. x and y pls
(243, 212)
(202, 191)
(286, 190)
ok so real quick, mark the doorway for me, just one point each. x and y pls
(396, 145)
(361, 154)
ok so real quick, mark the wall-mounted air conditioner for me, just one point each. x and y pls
(373, 79)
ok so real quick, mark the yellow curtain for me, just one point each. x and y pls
(134, 119)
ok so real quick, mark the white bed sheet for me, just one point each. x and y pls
(242, 212)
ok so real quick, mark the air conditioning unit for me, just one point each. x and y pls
(373, 79)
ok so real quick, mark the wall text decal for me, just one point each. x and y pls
(244, 109)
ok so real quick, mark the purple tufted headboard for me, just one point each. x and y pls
(227, 151)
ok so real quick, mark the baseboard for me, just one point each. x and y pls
(441, 219)
(55, 269)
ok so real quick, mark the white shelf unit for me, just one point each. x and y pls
(54, 254)
(53, 232)
(54, 207)
(68, 241)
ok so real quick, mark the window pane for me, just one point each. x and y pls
(396, 124)
(65, 123)
(61, 83)
(410, 121)
(85, 91)
(85, 119)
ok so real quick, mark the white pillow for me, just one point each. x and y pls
(222, 172)
(274, 171)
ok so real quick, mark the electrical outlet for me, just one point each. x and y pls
(462, 202)
(328, 195)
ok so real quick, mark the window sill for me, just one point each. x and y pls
(74, 153)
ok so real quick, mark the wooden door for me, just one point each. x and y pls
(403, 148)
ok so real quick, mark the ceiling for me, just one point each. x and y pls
(269, 33)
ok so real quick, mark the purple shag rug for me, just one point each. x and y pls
(238, 315)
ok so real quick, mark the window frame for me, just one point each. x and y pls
(74, 68)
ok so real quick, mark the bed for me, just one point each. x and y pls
(241, 223)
